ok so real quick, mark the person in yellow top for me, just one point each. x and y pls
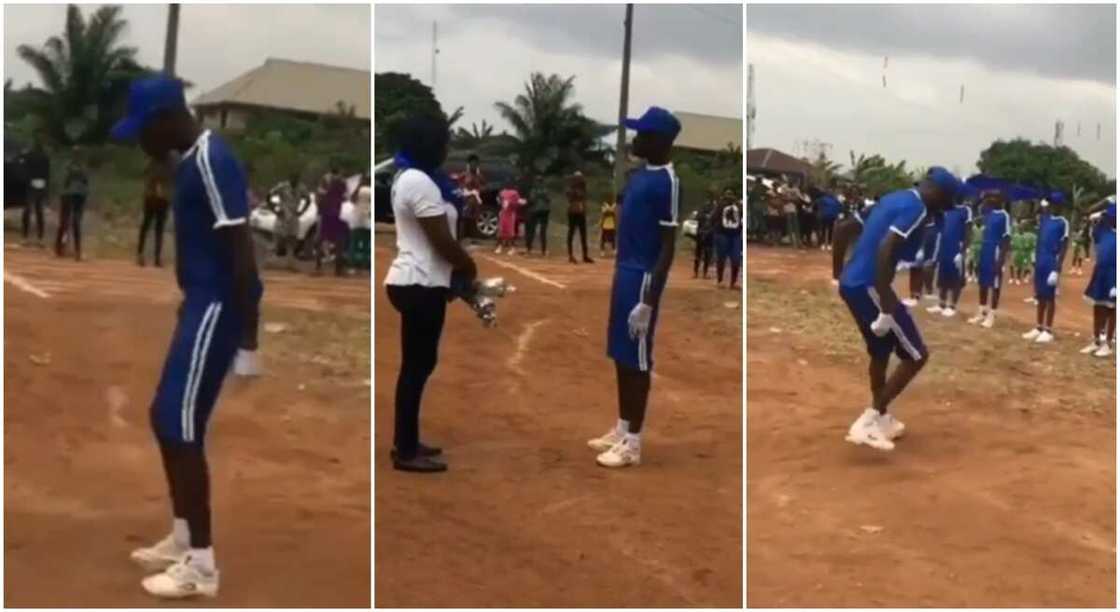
(608, 221)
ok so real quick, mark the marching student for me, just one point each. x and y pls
(995, 242)
(950, 260)
(1049, 255)
(1101, 292)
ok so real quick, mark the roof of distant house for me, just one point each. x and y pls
(773, 160)
(295, 86)
(709, 132)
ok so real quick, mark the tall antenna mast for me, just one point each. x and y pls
(435, 52)
(750, 105)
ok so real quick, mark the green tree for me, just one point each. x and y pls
(553, 135)
(399, 96)
(84, 75)
(1041, 165)
(474, 137)
(824, 172)
(877, 175)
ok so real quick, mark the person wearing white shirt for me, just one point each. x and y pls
(419, 279)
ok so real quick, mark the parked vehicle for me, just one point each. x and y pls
(263, 219)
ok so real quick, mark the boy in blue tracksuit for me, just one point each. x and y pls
(995, 244)
(950, 259)
(1049, 255)
(890, 231)
(217, 322)
(1101, 292)
(646, 238)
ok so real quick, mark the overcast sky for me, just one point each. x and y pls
(216, 42)
(685, 58)
(819, 70)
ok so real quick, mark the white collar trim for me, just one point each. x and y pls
(205, 135)
(668, 166)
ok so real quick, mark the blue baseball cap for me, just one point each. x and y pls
(1057, 198)
(146, 97)
(945, 181)
(656, 120)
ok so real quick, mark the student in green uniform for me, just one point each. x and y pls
(1022, 251)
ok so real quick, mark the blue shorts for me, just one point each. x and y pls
(1101, 285)
(904, 340)
(988, 273)
(626, 291)
(202, 350)
(729, 245)
(1043, 291)
(948, 274)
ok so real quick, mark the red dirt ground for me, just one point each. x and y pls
(1002, 494)
(289, 453)
(524, 517)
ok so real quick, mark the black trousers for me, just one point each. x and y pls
(577, 222)
(422, 312)
(155, 213)
(826, 226)
(34, 204)
(70, 219)
(537, 221)
(703, 253)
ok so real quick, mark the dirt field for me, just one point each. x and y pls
(1002, 494)
(289, 453)
(524, 516)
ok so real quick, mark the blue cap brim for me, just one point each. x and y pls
(633, 124)
(127, 128)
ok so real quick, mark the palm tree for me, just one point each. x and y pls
(552, 133)
(84, 74)
(474, 137)
(824, 172)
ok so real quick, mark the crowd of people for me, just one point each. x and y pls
(327, 237)
(526, 207)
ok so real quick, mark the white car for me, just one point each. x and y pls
(263, 218)
(691, 225)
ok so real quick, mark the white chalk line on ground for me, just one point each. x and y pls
(526, 272)
(523, 339)
(22, 283)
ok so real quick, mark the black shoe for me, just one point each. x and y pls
(587, 259)
(418, 464)
(422, 450)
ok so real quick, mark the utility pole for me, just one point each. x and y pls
(171, 41)
(623, 104)
(750, 105)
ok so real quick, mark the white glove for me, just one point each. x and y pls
(639, 320)
(1052, 280)
(247, 363)
(882, 324)
(958, 260)
(835, 282)
(920, 256)
(1112, 293)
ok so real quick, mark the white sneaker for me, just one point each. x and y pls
(891, 427)
(949, 312)
(1103, 351)
(162, 555)
(1090, 348)
(976, 318)
(1030, 300)
(498, 251)
(621, 454)
(182, 580)
(1032, 334)
(930, 297)
(909, 302)
(606, 441)
(935, 309)
(990, 320)
(1044, 338)
(866, 430)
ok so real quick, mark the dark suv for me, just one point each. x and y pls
(498, 175)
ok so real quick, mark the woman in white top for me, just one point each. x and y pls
(419, 279)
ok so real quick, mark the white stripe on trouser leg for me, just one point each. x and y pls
(643, 349)
(192, 371)
(896, 329)
(198, 366)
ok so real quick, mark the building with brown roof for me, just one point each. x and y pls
(301, 89)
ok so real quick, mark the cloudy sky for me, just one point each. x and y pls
(685, 58)
(216, 42)
(819, 70)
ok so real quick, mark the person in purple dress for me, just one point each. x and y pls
(332, 229)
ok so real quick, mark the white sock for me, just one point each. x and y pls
(181, 532)
(634, 440)
(623, 426)
(203, 558)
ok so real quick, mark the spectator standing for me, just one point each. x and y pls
(75, 192)
(38, 168)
